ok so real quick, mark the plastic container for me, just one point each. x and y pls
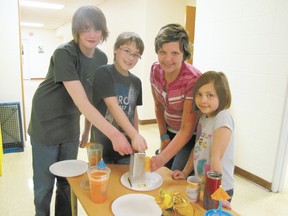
(217, 212)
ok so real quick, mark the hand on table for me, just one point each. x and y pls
(177, 174)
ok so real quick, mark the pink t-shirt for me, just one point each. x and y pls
(178, 91)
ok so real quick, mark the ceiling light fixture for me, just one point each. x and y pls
(28, 24)
(41, 5)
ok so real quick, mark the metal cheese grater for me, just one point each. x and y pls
(137, 176)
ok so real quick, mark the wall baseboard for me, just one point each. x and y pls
(147, 121)
(251, 177)
(37, 78)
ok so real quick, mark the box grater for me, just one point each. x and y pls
(137, 174)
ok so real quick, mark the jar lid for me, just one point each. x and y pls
(214, 174)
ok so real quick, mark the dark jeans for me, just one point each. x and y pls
(44, 180)
(179, 161)
(230, 193)
(124, 160)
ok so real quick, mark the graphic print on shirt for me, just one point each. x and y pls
(202, 151)
(127, 97)
(200, 167)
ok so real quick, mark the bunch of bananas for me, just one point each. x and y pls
(174, 204)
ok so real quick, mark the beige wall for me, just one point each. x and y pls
(38, 62)
(249, 42)
(10, 76)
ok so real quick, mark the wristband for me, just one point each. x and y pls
(164, 136)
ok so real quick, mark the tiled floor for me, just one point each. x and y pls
(16, 187)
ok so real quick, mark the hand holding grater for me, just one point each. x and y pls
(137, 173)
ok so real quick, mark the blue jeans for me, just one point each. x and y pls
(179, 161)
(44, 156)
(231, 193)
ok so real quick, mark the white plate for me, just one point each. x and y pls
(69, 168)
(153, 181)
(136, 204)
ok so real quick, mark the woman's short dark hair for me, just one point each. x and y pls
(221, 86)
(174, 32)
(86, 17)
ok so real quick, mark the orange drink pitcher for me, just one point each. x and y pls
(98, 181)
(94, 151)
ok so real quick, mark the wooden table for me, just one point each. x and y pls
(116, 189)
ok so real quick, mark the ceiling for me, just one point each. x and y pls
(53, 19)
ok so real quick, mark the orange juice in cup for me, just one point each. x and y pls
(94, 151)
(98, 181)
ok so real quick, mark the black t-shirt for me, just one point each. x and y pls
(108, 82)
(55, 117)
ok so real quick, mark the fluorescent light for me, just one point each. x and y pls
(41, 5)
(27, 24)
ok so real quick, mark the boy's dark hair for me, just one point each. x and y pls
(86, 17)
(171, 33)
(221, 86)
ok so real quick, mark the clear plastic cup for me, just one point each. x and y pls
(98, 181)
(94, 151)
